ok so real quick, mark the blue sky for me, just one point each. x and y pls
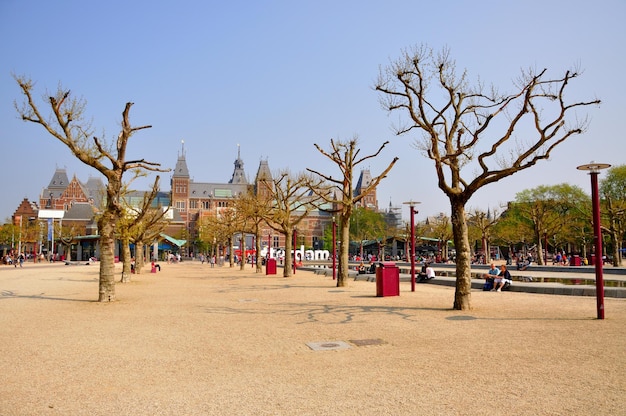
(277, 76)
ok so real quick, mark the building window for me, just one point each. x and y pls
(206, 204)
(193, 204)
(180, 205)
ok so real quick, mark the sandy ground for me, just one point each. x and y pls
(192, 340)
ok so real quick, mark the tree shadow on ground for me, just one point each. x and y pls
(8, 294)
(325, 313)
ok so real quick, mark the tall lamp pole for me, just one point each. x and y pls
(411, 205)
(334, 249)
(295, 239)
(594, 168)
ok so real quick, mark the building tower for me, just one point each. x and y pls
(50, 197)
(369, 201)
(239, 176)
(263, 181)
(180, 185)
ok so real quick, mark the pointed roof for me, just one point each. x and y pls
(95, 190)
(57, 184)
(263, 173)
(239, 175)
(364, 181)
(26, 210)
(75, 190)
(181, 170)
(59, 179)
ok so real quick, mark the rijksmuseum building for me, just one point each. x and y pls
(194, 201)
(75, 205)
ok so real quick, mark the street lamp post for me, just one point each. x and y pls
(295, 239)
(253, 259)
(334, 249)
(594, 168)
(411, 205)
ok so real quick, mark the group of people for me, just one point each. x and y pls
(497, 279)
(209, 259)
(15, 260)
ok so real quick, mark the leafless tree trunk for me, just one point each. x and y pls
(290, 203)
(253, 210)
(345, 154)
(126, 259)
(484, 222)
(139, 223)
(66, 125)
(468, 131)
(462, 297)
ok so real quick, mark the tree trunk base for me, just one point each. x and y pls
(106, 297)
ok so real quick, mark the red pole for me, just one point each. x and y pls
(334, 249)
(294, 250)
(597, 234)
(412, 249)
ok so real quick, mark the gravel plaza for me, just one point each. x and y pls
(195, 340)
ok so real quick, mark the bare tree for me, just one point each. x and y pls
(67, 125)
(345, 154)
(483, 221)
(290, 203)
(141, 223)
(439, 228)
(146, 232)
(254, 208)
(469, 132)
(66, 236)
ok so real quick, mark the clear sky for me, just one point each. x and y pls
(277, 76)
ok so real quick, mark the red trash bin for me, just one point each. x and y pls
(387, 279)
(270, 266)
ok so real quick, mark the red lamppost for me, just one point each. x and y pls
(411, 205)
(295, 233)
(334, 249)
(594, 169)
(254, 258)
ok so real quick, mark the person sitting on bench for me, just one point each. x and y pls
(430, 272)
(503, 280)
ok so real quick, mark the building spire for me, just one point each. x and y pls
(181, 169)
(239, 175)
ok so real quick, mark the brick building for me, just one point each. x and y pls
(194, 201)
